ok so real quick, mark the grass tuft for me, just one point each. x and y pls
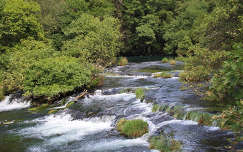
(164, 143)
(140, 94)
(132, 128)
(165, 60)
(163, 75)
(156, 108)
(172, 62)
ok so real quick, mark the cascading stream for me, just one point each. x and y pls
(90, 124)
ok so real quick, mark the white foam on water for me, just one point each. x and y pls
(114, 145)
(127, 76)
(211, 128)
(174, 78)
(146, 107)
(194, 109)
(112, 98)
(62, 129)
(182, 122)
(64, 106)
(6, 105)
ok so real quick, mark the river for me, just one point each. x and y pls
(89, 125)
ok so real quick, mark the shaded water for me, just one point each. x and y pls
(89, 124)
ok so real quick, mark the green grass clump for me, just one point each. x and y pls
(39, 108)
(122, 61)
(140, 93)
(156, 108)
(172, 62)
(163, 75)
(165, 60)
(132, 128)
(164, 144)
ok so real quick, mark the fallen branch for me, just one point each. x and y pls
(81, 95)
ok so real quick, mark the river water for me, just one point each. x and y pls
(89, 124)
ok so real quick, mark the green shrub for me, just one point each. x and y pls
(230, 118)
(21, 57)
(202, 63)
(165, 143)
(97, 81)
(140, 93)
(132, 128)
(227, 84)
(52, 76)
(165, 60)
(122, 61)
(163, 75)
(180, 58)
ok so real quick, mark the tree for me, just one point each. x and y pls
(92, 39)
(21, 57)
(19, 20)
(142, 24)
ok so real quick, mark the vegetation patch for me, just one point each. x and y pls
(132, 128)
(163, 75)
(230, 118)
(140, 93)
(165, 143)
(172, 62)
(52, 76)
(179, 113)
(53, 111)
(122, 61)
(70, 104)
(165, 60)
(156, 108)
(1, 93)
(97, 81)
(39, 108)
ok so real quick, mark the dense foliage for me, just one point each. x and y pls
(143, 25)
(48, 48)
(92, 39)
(52, 76)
